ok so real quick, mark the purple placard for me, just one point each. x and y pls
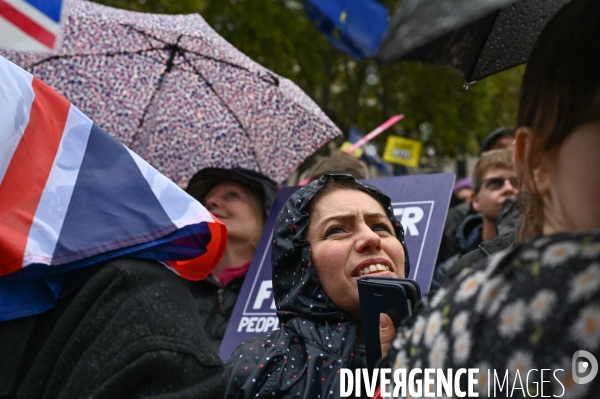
(420, 203)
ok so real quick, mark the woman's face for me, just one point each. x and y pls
(573, 194)
(351, 236)
(231, 204)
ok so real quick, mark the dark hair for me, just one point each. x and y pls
(344, 184)
(560, 92)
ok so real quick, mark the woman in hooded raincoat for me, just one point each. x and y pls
(329, 233)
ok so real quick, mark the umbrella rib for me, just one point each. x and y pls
(44, 60)
(107, 54)
(174, 49)
(188, 51)
(149, 35)
(218, 60)
(61, 56)
(226, 106)
(140, 52)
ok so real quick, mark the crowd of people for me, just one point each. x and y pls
(516, 285)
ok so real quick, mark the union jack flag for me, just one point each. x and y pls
(71, 196)
(30, 25)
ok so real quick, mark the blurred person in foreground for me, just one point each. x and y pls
(494, 182)
(533, 306)
(241, 199)
(329, 233)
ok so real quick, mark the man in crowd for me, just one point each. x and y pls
(494, 181)
(500, 138)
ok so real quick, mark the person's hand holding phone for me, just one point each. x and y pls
(387, 333)
(384, 303)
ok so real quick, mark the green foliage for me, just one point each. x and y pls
(437, 108)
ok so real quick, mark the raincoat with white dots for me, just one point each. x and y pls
(316, 338)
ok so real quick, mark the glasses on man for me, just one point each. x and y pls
(496, 183)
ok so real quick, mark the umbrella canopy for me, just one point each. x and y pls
(175, 92)
(476, 37)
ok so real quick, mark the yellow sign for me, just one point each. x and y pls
(402, 151)
(357, 153)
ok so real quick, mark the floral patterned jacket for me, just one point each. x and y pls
(521, 311)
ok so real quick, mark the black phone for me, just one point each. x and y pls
(396, 297)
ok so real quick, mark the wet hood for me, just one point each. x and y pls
(298, 291)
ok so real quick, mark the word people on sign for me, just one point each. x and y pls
(261, 324)
(257, 324)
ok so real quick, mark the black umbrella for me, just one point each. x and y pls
(476, 37)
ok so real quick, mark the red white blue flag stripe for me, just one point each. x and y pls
(30, 25)
(72, 196)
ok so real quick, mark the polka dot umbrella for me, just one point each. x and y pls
(174, 91)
